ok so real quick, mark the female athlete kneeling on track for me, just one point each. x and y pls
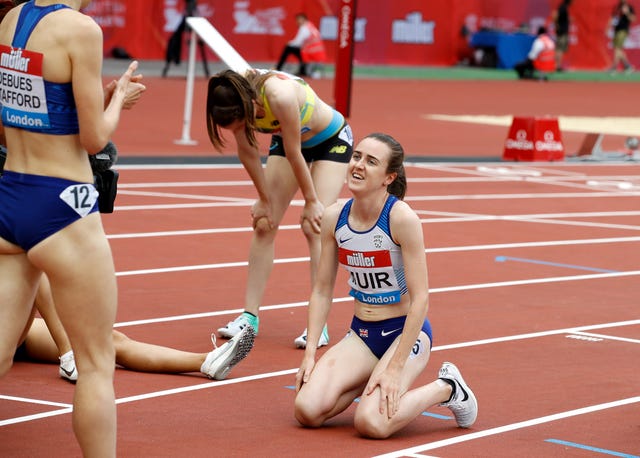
(311, 145)
(46, 341)
(378, 239)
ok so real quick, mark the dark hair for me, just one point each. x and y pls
(397, 187)
(230, 97)
(5, 6)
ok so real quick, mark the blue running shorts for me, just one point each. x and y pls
(379, 335)
(33, 207)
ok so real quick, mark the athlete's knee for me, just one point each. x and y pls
(264, 229)
(371, 425)
(307, 413)
(97, 360)
(305, 418)
(307, 230)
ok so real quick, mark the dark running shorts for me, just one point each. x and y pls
(379, 335)
(34, 207)
(337, 148)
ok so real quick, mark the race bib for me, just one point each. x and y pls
(22, 93)
(417, 350)
(80, 197)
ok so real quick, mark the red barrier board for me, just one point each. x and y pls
(534, 139)
(410, 32)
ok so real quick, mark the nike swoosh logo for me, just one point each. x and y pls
(69, 373)
(386, 333)
(344, 240)
(466, 395)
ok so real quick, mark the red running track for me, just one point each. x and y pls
(533, 276)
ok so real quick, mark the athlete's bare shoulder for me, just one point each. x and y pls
(402, 213)
(80, 25)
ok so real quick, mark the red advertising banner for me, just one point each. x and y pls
(410, 32)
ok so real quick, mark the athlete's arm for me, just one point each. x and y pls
(282, 99)
(406, 230)
(322, 292)
(250, 158)
(97, 124)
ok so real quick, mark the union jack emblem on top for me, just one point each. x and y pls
(363, 333)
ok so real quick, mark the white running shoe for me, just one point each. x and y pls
(234, 327)
(463, 402)
(221, 360)
(301, 341)
(68, 369)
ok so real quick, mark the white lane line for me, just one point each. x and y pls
(511, 427)
(607, 337)
(498, 246)
(215, 384)
(34, 401)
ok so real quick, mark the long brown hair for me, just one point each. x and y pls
(230, 97)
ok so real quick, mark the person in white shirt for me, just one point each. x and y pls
(541, 58)
(294, 46)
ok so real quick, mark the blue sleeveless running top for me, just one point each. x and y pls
(28, 101)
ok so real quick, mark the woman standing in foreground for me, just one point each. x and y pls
(311, 145)
(378, 239)
(55, 111)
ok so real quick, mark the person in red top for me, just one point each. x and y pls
(540, 59)
(306, 46)
(313, 50)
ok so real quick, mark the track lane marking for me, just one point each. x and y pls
(511, 427)
(214, 384)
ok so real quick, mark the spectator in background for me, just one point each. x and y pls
(541, 58)
(561, 21)
(623, 16)
(306, 46)
(173, 53)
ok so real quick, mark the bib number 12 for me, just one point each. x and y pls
(80, 197)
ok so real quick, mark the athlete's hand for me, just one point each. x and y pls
(389, 383)
(128, 86)
(304, 372)
(312, 214)
(261, 216)
(133, 92)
